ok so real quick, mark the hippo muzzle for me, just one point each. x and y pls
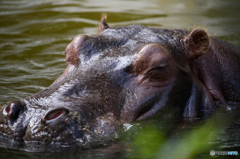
(25, 123)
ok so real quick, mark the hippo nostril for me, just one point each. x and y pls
(12, 110)
(55, 113)
(7, 108)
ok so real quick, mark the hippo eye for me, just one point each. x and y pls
(56, 113)
(159, 72)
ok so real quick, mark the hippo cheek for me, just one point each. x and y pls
(150, 107)
(142, 103)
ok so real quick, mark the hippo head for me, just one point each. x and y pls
(123, 74)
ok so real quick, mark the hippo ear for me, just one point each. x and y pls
(196, 43)
(103, 23)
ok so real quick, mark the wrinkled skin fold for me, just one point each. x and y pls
(127, 74)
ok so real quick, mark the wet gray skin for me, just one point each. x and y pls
(122, 75)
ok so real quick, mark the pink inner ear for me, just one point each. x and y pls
(54, 114)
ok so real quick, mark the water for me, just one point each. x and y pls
(34, 35)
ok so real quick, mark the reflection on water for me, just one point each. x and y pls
(34, 34)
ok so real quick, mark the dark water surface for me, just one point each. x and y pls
(35, 33)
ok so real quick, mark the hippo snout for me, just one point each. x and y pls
(27, 124)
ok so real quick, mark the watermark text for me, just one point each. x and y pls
(223, 153)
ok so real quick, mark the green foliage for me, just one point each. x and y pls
(148, 142)
(196, 142)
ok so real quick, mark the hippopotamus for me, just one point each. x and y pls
(126, 74)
